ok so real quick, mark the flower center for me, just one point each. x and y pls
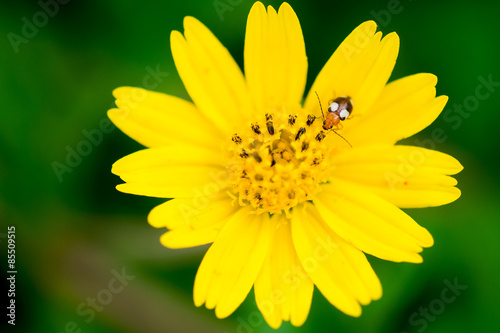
(279, 161)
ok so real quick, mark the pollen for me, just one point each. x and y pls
(278, 161)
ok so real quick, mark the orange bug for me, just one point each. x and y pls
(339, 110)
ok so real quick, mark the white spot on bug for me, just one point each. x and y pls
(333, 107)
(343, 114)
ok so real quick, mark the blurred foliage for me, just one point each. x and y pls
(72, 234)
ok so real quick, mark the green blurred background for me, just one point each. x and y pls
(74, 232)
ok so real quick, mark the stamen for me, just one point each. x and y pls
(301, 131)
(310, 119)
(236, 139)
(291, 119)
(305, 145)
(256, 128)
(321, 135)
(269, 124)
(243, 154)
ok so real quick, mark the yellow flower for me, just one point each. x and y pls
(287, 202)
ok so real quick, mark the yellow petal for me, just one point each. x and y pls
(194, 213)
(359, 68)
(183, 238)
(171, 172)
(283, 290)
(339, 270)
(192, 221)
(211, 76)
(154, 119)
(231, 265)
(275, 57)
(406, 176)
(370, 223)
(405, 107)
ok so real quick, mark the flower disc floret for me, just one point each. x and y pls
(278, 161)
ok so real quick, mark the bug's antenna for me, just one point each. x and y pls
(334, 131)
(321, 108)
